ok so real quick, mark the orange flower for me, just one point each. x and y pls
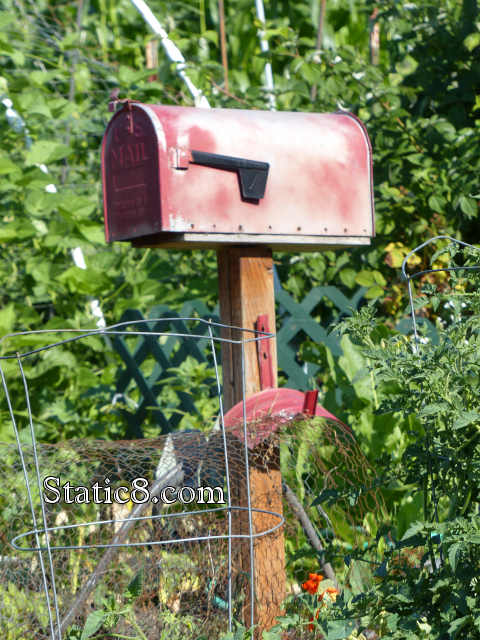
(311, 585)
(332, 592)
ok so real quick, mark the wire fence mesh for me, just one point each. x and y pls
(178, 535)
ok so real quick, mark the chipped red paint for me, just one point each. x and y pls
(319, 181)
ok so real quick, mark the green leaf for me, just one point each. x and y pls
(437, 203)
(93, 624)
(94, 233)
(469, 206)
(459, 623)
(374, 292)
(47, 151)
(13, 231)
(7, 166)
(413, 530)
(407, 66)
(454, 554)
(465, 418)
(352, 363)
(347, 277)
(365, 278)
(53, 358)
(7, 319)
(472, 41)
(379, 279)
(135, 587)
(338, 629)
(89, 281)
(434, 408)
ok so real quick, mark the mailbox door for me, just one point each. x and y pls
(130, 168)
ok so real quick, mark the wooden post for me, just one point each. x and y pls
(246, 291)
(151, 54)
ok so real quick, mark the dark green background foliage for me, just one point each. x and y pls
(59, 64)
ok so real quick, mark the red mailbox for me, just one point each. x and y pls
(183, 176)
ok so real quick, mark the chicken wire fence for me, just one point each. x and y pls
(157, 537)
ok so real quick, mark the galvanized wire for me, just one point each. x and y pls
(418, 274)
(46, 531)
(189, 554)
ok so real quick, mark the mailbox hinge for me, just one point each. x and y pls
(252, 174)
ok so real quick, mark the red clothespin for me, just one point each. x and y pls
(265, 365)
(310, 403)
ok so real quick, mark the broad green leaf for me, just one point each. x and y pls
(374, 292)
(469, 206)
(472, 41)
(437, 203)
(14, 231)
(89, 281)
(365, 278)
(94, 233)
(459, 623)
(379, 279)
(77, 207)
(465, 418)
(352, 362)
(7, 166)
(412, 531)
(347, 276)
(407, 66)
(338, 629)
(93, 624)
(454, 554)
(47, 151)
(432, 409)
(7, 319)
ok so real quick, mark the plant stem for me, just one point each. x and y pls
(309, 530)
(133, 621)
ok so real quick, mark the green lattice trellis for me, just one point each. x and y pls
(168, 353)
(294, 324)
(295, 321)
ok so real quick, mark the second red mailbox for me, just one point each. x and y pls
(201, 177)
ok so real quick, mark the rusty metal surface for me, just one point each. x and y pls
(319, 182)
